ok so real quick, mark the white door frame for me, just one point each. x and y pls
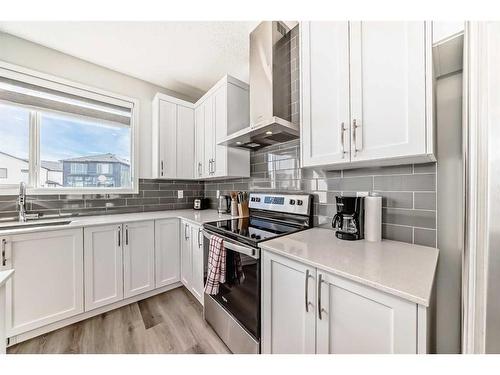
(475, 257)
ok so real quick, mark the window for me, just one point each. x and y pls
(103, 168)
(54, 136)
(78, 168)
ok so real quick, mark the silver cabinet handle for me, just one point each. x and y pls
(319, 296)
(161, 167)
(186, 227)
(199, 168)
(119, 236)
(126, 235)
(199, 242)
(355, 127)
(307, 291)
(213, 166)
(4, 258)
(342, 140)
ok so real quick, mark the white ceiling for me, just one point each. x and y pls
(187, 57)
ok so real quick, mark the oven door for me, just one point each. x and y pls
(240, 294)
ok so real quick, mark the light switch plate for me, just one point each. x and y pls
(180, 194)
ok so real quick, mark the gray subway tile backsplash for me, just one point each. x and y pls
(408, 191)
(153, 195)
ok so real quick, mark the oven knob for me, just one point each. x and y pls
(253, 199)
(252, 235)
(299, 202)
(257, 237)
(257, 199)
(292, 201)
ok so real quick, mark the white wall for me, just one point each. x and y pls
(34, 56)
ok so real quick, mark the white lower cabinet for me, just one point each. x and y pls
(186, 254)
(47, 285)
(167, 252)
(288, 306)
(306, 310)
(192, 259)
(103, 254)
(355, 319)
(197, 262)
(138, 258)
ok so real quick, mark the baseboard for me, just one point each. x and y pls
(88, 314)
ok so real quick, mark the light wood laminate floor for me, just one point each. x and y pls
(170, 322)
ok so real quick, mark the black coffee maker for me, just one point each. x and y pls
(349, 219)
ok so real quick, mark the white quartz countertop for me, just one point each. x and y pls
(5, 276)
(398, 268)
(194, 216)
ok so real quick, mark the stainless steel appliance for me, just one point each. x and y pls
(349, 219)
(270, 90)
(200, 203)
(224, 204)
(234, 313)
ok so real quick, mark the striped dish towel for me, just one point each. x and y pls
(216, 272)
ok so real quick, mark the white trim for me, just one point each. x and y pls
(476, 175)
(45, 80)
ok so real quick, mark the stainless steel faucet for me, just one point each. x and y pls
(21, 202)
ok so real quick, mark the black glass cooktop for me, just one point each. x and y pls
(251, 230)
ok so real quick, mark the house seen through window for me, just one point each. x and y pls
(63, 142)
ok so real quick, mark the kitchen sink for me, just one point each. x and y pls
(8, 226)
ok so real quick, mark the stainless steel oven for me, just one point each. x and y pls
(234, 312)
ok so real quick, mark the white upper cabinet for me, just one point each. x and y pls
(173, 138)
(138, 257)
(325, 74)
(199, 131)
(388, 90)
(223, 110)
(374, 78)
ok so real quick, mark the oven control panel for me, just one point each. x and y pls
(289, 203)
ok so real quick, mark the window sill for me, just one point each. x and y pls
(68, 191)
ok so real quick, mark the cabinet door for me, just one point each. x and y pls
(167, 252)
(186, 255)
(168, 139)
(199, 168)
(138, 258)
(103, 265)
(208, 109)
(360, 320)
(388, 89)
(197, 263)
(47, 285)
(220, 131)
(325, 93)
(288, 306)
(185, 140)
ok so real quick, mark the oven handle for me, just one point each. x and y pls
(231, 245)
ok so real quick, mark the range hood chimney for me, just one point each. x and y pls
(270, 90)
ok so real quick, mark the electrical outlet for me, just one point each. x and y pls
(180, 194)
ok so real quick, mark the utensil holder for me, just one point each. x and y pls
(243, 209)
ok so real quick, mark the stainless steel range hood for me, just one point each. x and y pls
(270, 90)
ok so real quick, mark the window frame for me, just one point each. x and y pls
(52, 82)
